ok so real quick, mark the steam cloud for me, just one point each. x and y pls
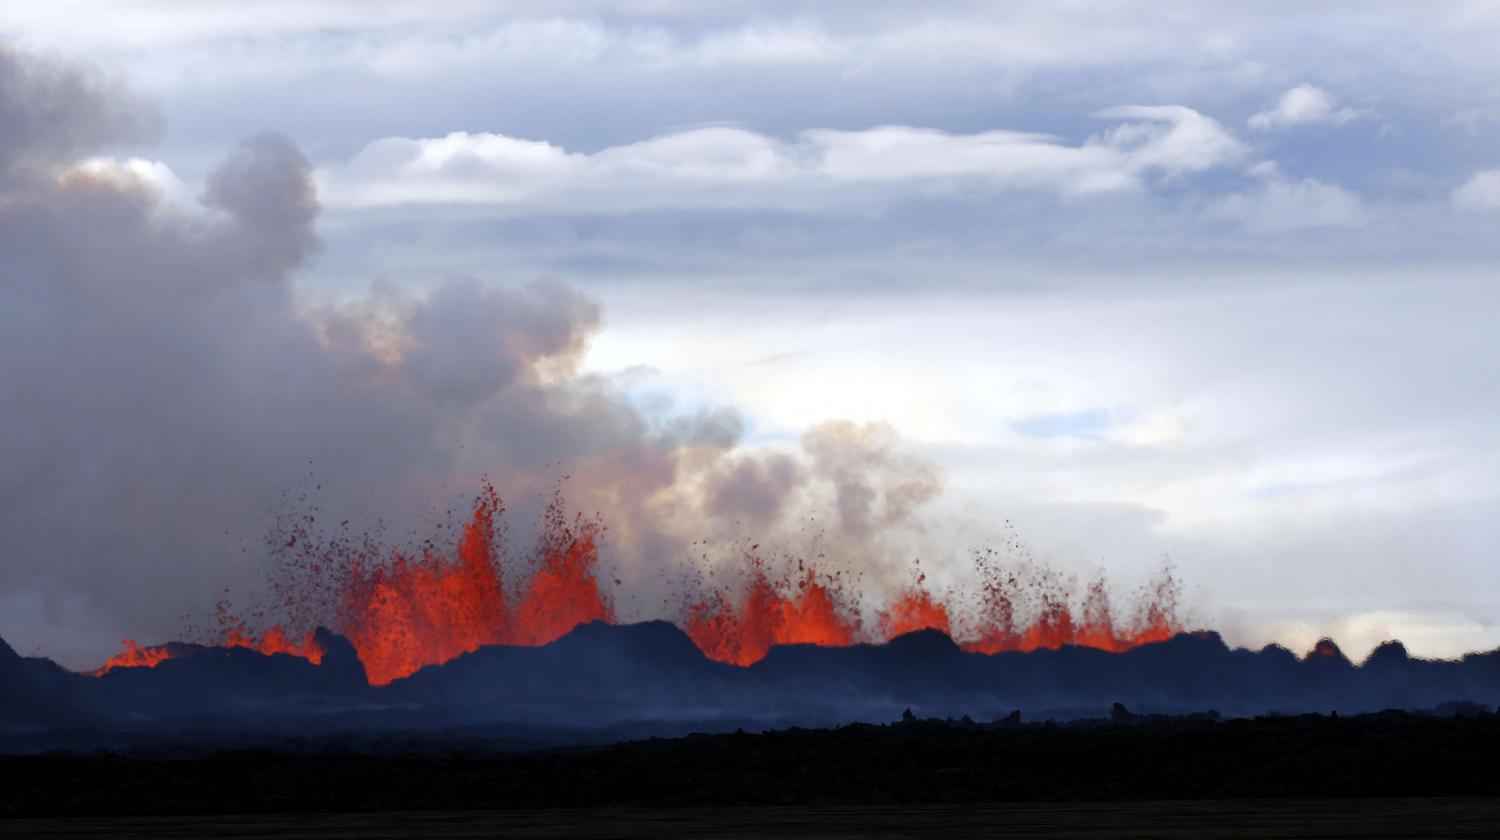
(164, 386)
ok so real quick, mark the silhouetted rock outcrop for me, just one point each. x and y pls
(28, 702)
(340, 662)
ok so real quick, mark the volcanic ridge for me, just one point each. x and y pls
(602, 680)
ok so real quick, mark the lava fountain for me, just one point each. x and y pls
(406, 609)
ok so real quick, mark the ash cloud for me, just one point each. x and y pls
(51, 112)
(165, 386)
(753, 489)
(877, 484)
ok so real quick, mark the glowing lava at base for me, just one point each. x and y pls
(132, 655)
(411, 612)
(416, 611)
(804, 613)
(1052, 625)
(405, 610)
(232, 635)
(913, 611)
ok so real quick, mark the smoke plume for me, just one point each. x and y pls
(166, 383)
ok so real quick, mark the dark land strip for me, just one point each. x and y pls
(1210, 819)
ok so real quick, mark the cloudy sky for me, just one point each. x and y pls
(1126, 280)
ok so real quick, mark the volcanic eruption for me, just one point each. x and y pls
(178, 364)
(406, 608)
(360, 634)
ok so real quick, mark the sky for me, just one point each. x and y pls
(1126, 281)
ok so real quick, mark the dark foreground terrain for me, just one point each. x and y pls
(1128, 758)
(1345, 818)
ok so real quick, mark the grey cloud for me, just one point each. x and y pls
(51, 112)
(265, 186)
(753, 490)
(469, 342)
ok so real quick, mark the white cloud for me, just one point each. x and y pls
(1278, 204)
(1480, 194)
(1026, 33)
(153, 24)
(1302, 105)
(700, 32)
(729, 166)
(1172, 138)
(1472, 120)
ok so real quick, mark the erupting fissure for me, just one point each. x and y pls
(800, 610)
(413, 610)
(132, 655)
(233, 634)
(404, 610)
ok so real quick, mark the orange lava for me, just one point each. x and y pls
(564, 592)
(1326, 649)
(403, 611)
(425, 610)
(274, 640)
(806, 612)
(232, 635)
(132, 655)
(913, 611)
(1054, 625)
